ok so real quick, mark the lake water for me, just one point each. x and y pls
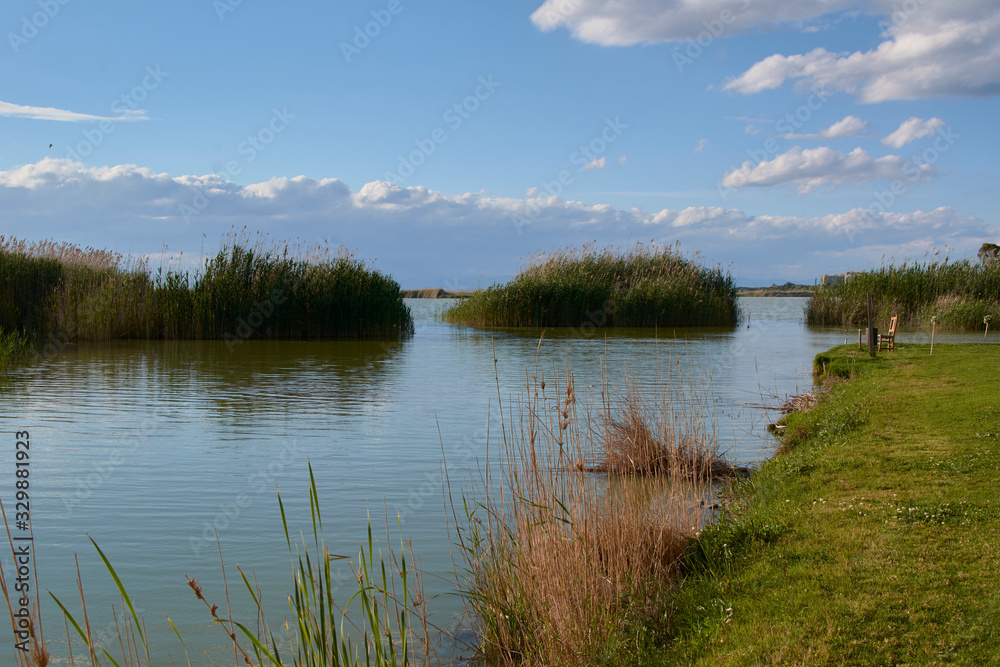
(151, 447)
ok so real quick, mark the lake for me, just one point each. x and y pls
(151, 447)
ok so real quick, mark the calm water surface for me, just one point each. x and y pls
(151, 447)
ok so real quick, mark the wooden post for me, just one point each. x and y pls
(872, 331)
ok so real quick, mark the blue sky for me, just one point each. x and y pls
(446, 142)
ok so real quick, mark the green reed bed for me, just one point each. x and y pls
(960, 294)
(246, 291)
(640, 287)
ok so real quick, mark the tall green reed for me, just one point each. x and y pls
(15, 348)
(641, 287)
(388, 625)
(959, 294)
(251, 289)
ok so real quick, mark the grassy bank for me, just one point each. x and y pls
(246, 291)
(641, 287)
(874, 538)
(960, 294)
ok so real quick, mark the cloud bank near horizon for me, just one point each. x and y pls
(429, 238)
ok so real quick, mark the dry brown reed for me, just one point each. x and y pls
(67, 253)
(570, 567)
(30, 648)
(658, 433)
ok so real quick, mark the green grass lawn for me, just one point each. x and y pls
(873, 540)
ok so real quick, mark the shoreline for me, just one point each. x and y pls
(870, 538)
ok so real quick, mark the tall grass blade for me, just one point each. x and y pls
(125, 597)
(181, 640)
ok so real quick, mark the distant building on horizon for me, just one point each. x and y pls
(832, 280)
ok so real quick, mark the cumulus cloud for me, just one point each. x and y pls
(421, 236)
(816, 167)
(912, 129)
(702, 145)
(935, 49)
(50, 113)
(630, 22)
(596, 164)
(849, 126)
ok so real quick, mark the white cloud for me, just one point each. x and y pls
(944, 48)
(596, 164)
(49, 113)
(622, 160)
(849, 126)
(426, 237)
(702, 145)
(912, 129)
(816, 167)
(929, 48)
(630, 22)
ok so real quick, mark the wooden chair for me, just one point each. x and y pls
(890, 337)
